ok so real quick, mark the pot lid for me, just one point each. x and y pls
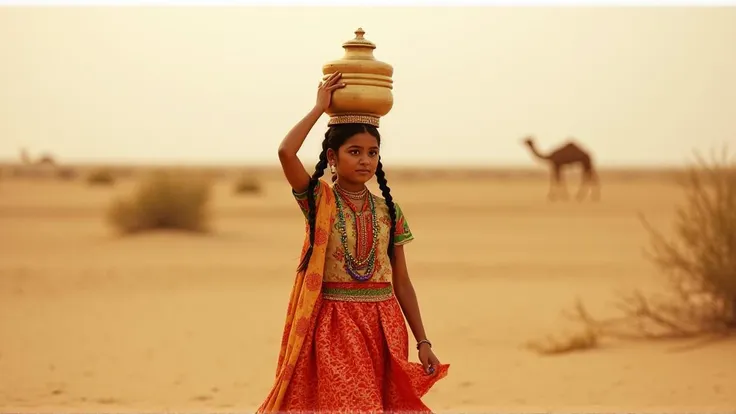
(359, 41)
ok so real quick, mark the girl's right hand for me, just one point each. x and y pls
(324, 92)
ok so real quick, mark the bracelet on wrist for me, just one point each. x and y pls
(424, 341)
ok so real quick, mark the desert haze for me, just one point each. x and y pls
(94, 321)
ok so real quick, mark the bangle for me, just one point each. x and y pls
(424, 341)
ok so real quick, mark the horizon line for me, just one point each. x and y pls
(533, 165)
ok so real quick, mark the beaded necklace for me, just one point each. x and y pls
(367, 235)
(353, 195)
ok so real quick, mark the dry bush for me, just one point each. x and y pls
(699, 262)
(164, 201)
(582, 340)
(246, 184)
(101, 177)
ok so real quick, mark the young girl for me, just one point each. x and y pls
(345, 343)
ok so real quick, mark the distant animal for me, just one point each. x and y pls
(44, 166)
(568, 154)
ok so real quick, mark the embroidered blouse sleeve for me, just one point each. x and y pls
(301, 198)
(403, 233)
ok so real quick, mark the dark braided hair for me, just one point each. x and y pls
(335, 137)
(386, 191)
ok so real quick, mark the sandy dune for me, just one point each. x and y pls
(93, 322)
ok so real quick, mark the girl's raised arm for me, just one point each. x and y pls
(293, 168)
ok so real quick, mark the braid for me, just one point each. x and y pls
(386, 191)
(319, 169)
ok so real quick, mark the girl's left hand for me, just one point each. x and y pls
(428, 359)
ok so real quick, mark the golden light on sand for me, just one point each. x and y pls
(91, 321)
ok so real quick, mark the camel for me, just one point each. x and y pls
(43, 160)
(567, 154)
(44, 165)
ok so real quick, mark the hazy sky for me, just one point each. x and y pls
(208, 85)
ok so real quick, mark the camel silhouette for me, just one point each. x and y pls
(568, 154)
(43, 166)
(44, 159)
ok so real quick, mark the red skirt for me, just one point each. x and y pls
(355, 358)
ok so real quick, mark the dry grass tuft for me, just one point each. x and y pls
(164, 201)
(101, 177)
(247, 184)
(568, 343)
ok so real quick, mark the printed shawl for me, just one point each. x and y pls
(304, 294)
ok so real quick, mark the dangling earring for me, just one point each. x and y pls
(332, 170)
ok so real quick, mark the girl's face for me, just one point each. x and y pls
(357, 159)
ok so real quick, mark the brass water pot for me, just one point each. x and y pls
(367, 95)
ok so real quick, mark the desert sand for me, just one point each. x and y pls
(91, 321)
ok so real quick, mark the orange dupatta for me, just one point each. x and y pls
(304, 294)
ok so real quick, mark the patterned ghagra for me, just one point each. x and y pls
(355, 354)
